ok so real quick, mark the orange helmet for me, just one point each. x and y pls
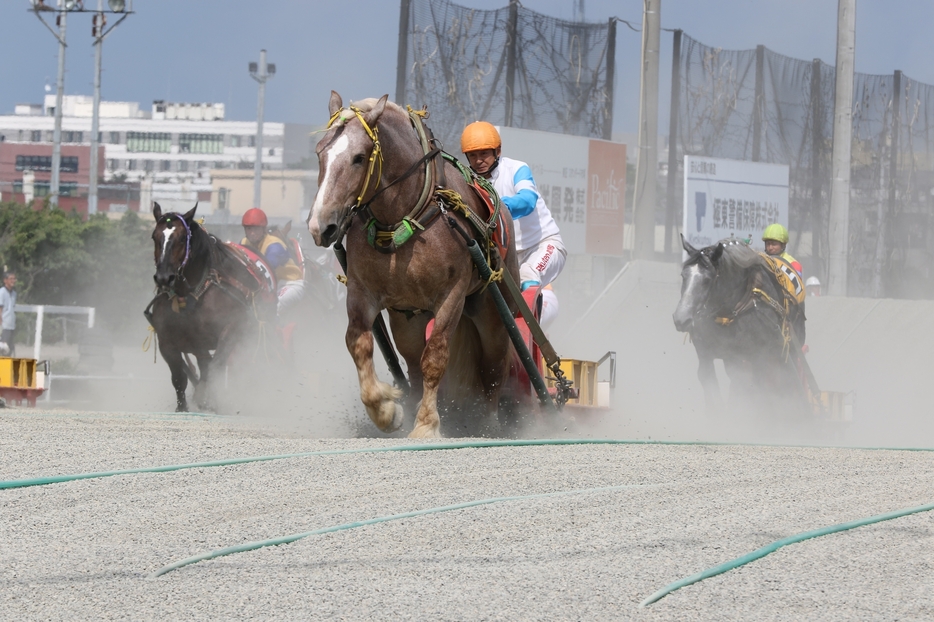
(478, 136)
(254, 217)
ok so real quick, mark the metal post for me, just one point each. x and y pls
(403, 54)
(37, 346)
(758, 104)
(884, 223)
(842, 137)
(610, 77)
(95, 114)
(817, 154)
(260, 75)
(59, 96)
(672, 206)
(511, 44)
(647, 162)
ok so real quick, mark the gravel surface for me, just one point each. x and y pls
(85, 549)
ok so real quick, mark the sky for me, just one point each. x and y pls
(198, 50)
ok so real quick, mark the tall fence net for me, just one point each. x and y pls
(509, 66)
(762, 106)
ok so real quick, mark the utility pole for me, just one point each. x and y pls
(99, 22)
(97, 25)
(260, 73)
(59, 96)
(64, 7)
(842, 142)
(647, 161)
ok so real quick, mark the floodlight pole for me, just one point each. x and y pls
(838, 254)
(260, 75)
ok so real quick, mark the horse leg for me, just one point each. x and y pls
(173, 359)
(434, 362)
(409, 337)
(202, 389)
(378, 398)
(494, 359)
(708, 379)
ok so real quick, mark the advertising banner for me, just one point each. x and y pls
(724, 198)
(583, 182)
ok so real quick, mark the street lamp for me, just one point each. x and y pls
(98, 31)
(260, 72)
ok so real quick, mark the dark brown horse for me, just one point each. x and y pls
(208, 300)
(734, 309)
(370, 180)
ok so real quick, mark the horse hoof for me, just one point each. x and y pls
(181, 408)
(426, 431)
(397, 418)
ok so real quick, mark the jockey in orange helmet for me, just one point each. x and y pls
(288, 273)
(539, 245)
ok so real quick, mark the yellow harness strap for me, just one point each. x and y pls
(342, 116)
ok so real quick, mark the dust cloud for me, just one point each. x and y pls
(877, 351)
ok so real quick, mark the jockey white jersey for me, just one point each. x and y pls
(514, 184)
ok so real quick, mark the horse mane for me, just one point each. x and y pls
(738, 254)
(365, 105)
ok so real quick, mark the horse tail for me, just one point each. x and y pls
(463, 381)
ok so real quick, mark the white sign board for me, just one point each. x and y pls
(583, 182)
(724, 198)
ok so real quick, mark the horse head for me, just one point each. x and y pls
(172, 239)
(348, 159)
(697, 276)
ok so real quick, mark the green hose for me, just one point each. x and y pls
(252, 546)
(774, 546)
(58, 479)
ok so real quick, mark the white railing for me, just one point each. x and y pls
(41, 310)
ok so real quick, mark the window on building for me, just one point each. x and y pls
(69, 164)
(234, 141)
(112, 164)
(148, 165)
(115, 138)
(223, 198)
(252, 141)
(148, 142)
(68, 189)
(183, 166)
(36, 136)
(165, 166)
(201, 143)
(72, 137)
(131, 165)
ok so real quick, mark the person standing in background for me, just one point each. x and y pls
(8, 313)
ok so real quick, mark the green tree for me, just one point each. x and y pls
(61, 259)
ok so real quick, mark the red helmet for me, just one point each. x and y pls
(254, 217)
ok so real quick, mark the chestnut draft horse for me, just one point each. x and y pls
(208, 299)
(398, 201)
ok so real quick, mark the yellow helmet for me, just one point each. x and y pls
(478, 136)
(776, 232)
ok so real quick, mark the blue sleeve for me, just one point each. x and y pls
(276, 255)
(524, 201)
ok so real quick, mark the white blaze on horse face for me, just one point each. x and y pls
(340, 146)
(166, 236)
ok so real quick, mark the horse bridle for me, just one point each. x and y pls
(164, 220)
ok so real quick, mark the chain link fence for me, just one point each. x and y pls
(762, 106)
(510, 66)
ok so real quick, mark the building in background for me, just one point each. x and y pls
(170, 153)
